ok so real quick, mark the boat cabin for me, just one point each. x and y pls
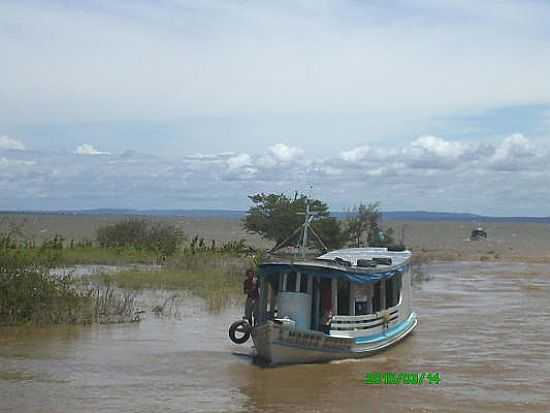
(363, 288)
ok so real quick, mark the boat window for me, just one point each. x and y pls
(275, 283)
(291, 281)
(393, 291)
(303, 283)
(376, 298)
(361, 306)
(361, 298)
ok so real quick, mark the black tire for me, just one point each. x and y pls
(240, 326)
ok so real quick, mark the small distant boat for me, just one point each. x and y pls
(367, 291)
(478, 234)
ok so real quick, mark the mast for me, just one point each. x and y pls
(309, 216)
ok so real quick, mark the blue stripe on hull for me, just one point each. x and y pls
(404, 327)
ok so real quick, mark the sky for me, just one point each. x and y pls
(421, 105)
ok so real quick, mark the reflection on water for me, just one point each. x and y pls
(483, 326)
(419, 275)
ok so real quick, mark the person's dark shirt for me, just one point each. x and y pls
(251, 288)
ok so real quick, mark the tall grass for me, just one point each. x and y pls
(30, 294)
(215, 277)
(108, 256)
(114, 307)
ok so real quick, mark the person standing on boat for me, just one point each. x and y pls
(250, 288)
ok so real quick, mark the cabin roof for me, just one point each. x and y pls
(328, 267)
(354, 254)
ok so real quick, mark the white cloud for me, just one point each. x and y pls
(475, 179)
(239, 161)
(513, 147)
(431, 152)
(356, 154)
(208, 157)
(438, 147)
(285, 153)
(513, 153)
(9, 143)
(7, 163)
(87, 149)
(425, 152)
(238, 167)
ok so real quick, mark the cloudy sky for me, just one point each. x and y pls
(424, 105)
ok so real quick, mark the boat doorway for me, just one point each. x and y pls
(344, 295)
(325, 292)
(321, 301)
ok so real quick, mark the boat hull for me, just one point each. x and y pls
(277, 344)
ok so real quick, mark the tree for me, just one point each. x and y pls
(363, 222)
(276, 216)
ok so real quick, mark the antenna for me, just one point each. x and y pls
(306, 226)
(309, 216)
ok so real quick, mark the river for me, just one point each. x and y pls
(485, 327)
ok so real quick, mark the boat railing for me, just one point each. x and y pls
(364, 322)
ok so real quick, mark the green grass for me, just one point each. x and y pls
(217, 278)
(30, 294)
(108, 256)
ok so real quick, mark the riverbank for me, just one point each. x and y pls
(215, 275)
(429, 240)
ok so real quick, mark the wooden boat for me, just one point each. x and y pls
(371, 306)
(368, 291)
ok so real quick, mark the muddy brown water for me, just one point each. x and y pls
(484, 327)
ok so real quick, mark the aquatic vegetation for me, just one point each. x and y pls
(31, 294)
(215, 277)
(114, 307)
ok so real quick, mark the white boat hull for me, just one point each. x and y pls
(277, 344)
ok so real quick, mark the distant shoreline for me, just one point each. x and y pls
(443, 240)
(239, 214)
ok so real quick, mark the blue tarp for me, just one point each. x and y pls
(347, 274)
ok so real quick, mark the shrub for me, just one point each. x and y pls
(28, 293)
(137, 233)
(31, 294)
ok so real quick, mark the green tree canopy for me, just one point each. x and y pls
(276, 216)
(363, 227)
